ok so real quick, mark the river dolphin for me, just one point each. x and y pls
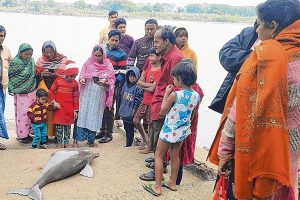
(61, 164)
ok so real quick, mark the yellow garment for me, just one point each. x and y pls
(189, 53)
(103, 36)
(50, 125)
(6, 58)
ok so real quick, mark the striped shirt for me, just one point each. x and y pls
(37, 113)
(118, 59)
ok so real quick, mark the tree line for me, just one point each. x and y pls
(127, 6)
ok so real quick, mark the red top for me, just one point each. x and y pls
(150, 75)
(37, 113)
(168, 61)
(66, 93)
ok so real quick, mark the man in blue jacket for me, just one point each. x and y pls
(232, 56)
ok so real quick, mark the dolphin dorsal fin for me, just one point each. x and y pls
(87, 171)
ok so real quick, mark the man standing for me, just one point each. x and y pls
(232, 56)
(112, 16)
(165, 45)
(5, 58)
(140, 48)
(126, 41)
(118, 59)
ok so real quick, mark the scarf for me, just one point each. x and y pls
(102, 70)
(260, 90)
(21, 73)
(57, 63)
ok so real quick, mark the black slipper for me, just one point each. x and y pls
(149, 160)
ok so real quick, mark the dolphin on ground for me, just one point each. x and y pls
(61, 164)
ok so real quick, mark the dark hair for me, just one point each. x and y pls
(2, 29)
(183, 30)
(26, 49)
(152, 51)
(283, 12)
(120, 21)
(41, 93)
(113, 33)
(168, 34)
(97, 48)
(185, 72)
(151, 21)
(112, 12)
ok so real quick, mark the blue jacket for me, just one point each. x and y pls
(232, 56)
(131, 96)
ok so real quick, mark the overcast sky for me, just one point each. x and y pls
(184, 2)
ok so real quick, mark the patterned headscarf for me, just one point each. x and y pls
(104, 71)
(58, 62)
(21, 73)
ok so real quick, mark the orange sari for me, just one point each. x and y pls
(261, 94)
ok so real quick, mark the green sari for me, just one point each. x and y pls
(21, 73)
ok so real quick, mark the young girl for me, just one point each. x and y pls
(64, 92)
(178, 106)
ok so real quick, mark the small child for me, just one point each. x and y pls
(179, 109)
(131, 96)
(148, 81)
(65, 94)
(37, 113)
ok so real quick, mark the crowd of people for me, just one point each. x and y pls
(150, 85)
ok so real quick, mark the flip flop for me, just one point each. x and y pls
(164, 184)
(149, 189)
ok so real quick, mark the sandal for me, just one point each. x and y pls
(150, 176)
(150, 165)
(2, 146)
(165, 184)
(149, 189)
(24, 140)
(150, 159)
(106, 139)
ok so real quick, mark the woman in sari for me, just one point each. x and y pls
(48, 67)
(260, 127)
(22, 84)
(97, 80)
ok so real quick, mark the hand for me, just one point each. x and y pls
(82, 81)
(75, 114)
(56, 105)
(36, 120)
(225, 167)
(169, 89)
(45, 73)
(103, 82)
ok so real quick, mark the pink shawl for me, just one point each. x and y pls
(58, 63)
(103, 70)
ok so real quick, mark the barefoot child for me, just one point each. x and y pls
(131, 96)
(179, 107)
(37, 113)
(64, 93)
(148, 80)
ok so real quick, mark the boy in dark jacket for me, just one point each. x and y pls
(131, 97)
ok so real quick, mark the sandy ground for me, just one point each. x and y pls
(116, 174)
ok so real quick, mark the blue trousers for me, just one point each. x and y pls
(129, 129)
(40, 134)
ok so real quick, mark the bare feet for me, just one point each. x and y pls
(92, 145)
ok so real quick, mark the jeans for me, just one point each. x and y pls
(40, 134)
(129, 129)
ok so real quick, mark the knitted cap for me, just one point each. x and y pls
(71, 68)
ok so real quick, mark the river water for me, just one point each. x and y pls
(75, 37)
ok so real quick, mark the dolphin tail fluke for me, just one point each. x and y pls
(33, 193)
